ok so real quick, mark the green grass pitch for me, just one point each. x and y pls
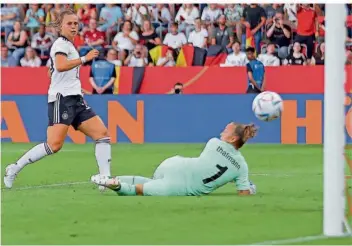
(288, 204)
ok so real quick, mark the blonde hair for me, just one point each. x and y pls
(245, 132)
(150, 24)
(58, 21)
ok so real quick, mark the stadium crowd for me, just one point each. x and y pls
(282, 34)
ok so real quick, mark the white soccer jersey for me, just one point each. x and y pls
(68, 82)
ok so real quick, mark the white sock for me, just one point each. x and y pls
(103, 155)
(35, 154)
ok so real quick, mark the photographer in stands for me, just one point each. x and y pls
(138, 58)
(280, 34)
(168, 60)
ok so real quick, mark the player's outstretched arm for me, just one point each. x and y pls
(63, 64)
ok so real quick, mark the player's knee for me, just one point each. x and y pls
(103, 133)
(55, 146)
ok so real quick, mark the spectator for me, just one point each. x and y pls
(348, 57)
(137, 13)
(237, 58)
(271, 10)
(211, 14)
(269, 59)
(17, 42)
(319, 57)
(254, 17)
(223, 35)
(102, 76)
(185, 18)
(42, 41)
(178, 88)
(297, 57)
(290, 10)
(112, 57)
(126, 40)
(85, 13)
(30, 59)
(255, 73)
(9, 14)
(6, 61)
(307, 28)
(161, 18)
(93, 39)
(174, 39)
(110, 16)
(148, 37)
(34, 16)
(234, 13)
(168, 60)
(47, 8)
(137, 58)
(199, 36)
(280, 34)
(55, 12)
(321, 32)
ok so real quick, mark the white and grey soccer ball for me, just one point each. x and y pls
(267, 106)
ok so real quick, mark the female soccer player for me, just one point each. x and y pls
(66, 105)
(219, 163)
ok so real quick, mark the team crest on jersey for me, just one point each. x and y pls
(64, 115)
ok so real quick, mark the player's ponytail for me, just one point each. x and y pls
(245, 132)
(249, 132)
(58, 22)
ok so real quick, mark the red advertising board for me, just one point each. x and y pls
(197, 80)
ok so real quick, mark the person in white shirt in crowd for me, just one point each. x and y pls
(137, 13)
(160, 18)
(269, 59)
(199, 36)
(30, 59)
(42, 41)
(185, 18)
(168, 60)
(210, 15)
(125, 40)
(291, 13)
(175, 39)
(113, 57)
(138, 58)
(236, 58)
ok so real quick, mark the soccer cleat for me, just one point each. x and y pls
(10, 175)
(106, 181)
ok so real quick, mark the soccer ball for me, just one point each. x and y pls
(267, 106)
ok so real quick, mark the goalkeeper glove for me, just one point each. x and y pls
(252, 188)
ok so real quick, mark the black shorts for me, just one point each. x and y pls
(69, 110)
(251, 89)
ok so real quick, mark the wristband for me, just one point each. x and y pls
(83, 59)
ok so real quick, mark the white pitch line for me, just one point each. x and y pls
(49, 185)
(87, 182)
(299, 239)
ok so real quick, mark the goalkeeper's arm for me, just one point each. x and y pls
(251, 191)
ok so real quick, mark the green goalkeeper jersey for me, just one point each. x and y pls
(218, 164)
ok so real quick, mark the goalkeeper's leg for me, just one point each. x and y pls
(133, 179)
(159, 187)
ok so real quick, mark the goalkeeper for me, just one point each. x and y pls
(219, 163)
